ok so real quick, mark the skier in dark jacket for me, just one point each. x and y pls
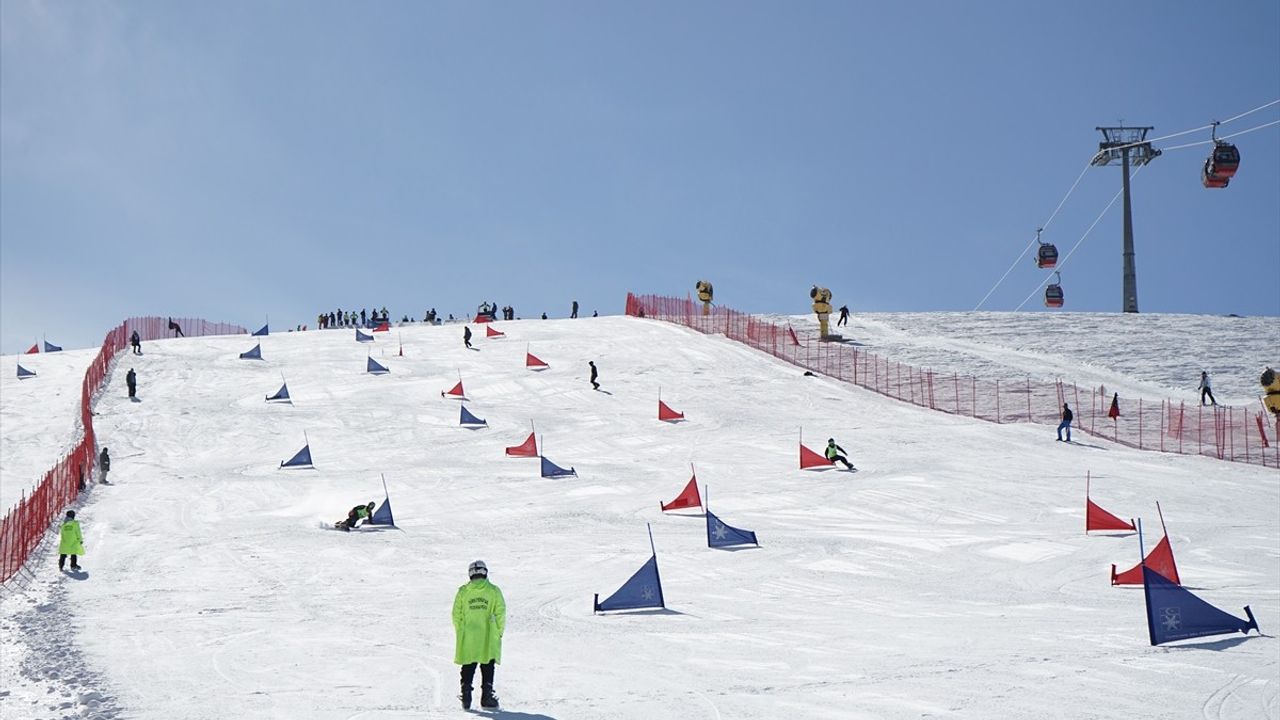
(104, 466)
(834, 454)
(131, 379)
(175, 328)
(466, 336)
(136, 342)
(594, 385)
(355, 515)
(1205, 390)
(1067, 417)
(574, 312)
(844, 316)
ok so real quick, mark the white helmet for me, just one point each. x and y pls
(477, 569)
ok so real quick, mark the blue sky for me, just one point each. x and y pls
(241, 160)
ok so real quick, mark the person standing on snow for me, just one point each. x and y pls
(844, 316)
(834, 454)
(131, 379)
(136, 342)
(466, 336)
(594, 385)
(1067, 417)
(104, 466)
(70, 542)
(1205, 390)
(574, 312)
(479, 618)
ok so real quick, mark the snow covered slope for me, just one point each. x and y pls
(950, 576)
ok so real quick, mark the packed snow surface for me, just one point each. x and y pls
(949, 577)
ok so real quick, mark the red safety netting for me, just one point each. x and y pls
(1226, 433)
(24, 527)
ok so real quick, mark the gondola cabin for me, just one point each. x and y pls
(1210, 179)
(1053, 293)
(1225, 160)
(1047, 256)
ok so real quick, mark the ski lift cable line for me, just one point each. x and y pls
(1224, 137)
(1198, 129)
(1063, 261)
(1023, 254)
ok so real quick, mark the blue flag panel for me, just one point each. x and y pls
(281, 394)
(1173, 613)
(382, 516)
(377, 369)
(24, 373)
(721, 535)
(551, 470)
(261, 332)
(643, 590)
(50, 347)
(254, 354)
(361, 337)
(468, 419)
(302, 459)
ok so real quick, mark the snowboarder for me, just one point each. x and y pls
(70, 542)
(1205, 390)
(833, 454)
(594, 385)
(466, 336)
(844, 316)
(574, 312)
(175, 328)
(104, 466)
(1067, 417)
(355, 515)
(136, 342)
(131, 379)
(479, 618)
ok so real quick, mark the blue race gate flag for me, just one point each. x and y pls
(551, 470)
(50, 347)
(468, 419)
(302, 459)
(1173, 613)
(721, 535)
(254, 354)
(643, 590)
(361, 337)
(261, 332)
(281, 394)
(24, 373)
(375, 368)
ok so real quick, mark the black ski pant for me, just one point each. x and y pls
(133, 390)
(62, 559)
(840, 458)
(486, 674)
(1207, 391)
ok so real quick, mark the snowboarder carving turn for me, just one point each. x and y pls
(834, 454)
(479, 618)
(355, 515)
(594, 385)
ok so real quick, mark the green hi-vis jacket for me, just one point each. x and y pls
(479, 617)
(71, 542)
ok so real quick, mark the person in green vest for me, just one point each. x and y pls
(71, 542)
(355, 515)
(833, 454)
(479, 617)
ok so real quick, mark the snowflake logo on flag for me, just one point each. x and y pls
(647, 592)
(1172, 618)
(719, 532)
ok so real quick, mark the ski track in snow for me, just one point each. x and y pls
(949, 577)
